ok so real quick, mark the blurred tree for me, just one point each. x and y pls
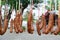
(24, 3)
(41, 1)
(3, 2)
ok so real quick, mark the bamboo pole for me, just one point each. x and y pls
(31, 2)
(0, 2)
(55, 5)
(16, 5)
(38, 13)
(19, 6)
(50, 4)
(59, 9)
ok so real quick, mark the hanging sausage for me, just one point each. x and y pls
(3, 30)
(58, 25)
(20, 23)
(57, 29)
(50, 23)
(38, 28)
(11, 22)
(30, 27)
(0, 22)
(11, 26)
(44, 24)
(29, 23)
(15, 25)
(20, 19)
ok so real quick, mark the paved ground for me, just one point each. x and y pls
(27, 36)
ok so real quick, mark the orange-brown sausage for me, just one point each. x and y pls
(5, 25)
(11, 26)
(29, 23)
(3, 30)
(58, 27)
(0, 26)
(15, 26)
(21, 20)
(44, 24)
(50, 24)
(38, 28)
